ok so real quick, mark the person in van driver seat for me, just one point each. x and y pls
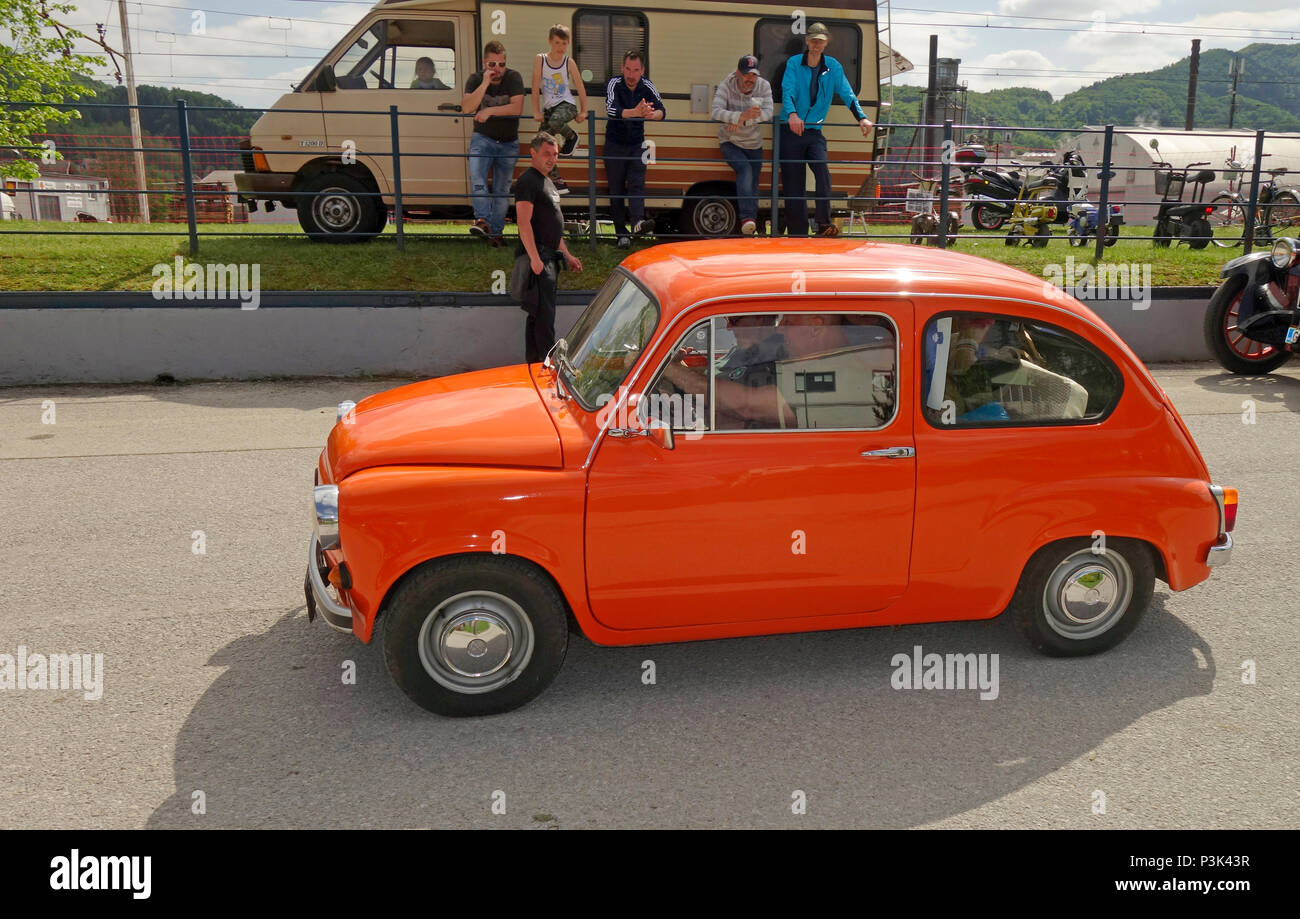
(426, 75)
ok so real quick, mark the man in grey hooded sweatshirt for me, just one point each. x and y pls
(742, 102)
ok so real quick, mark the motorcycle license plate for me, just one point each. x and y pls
(1293, 335)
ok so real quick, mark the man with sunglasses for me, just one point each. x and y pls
(495, 98)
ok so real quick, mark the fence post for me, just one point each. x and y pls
(397, 179)
(187, 169)
(1248, 231)
(592, 226)
(1103, 206)
(945, 174)
(772, 227)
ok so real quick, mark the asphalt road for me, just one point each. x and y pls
(214, 682)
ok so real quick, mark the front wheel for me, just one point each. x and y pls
(475, 635)
(1080, 596)
(337, 207)
(1228, 221)
(1231, 348)
(1160, 235)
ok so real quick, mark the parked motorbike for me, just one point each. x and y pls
(1185, 221)
(1252, 324)
(992, 193)
(1085, 217)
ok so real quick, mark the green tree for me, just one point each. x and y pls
(37, 71)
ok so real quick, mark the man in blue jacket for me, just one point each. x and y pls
(811, 80)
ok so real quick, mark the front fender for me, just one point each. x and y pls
(1255, 266)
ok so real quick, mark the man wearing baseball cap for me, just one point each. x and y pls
(811, 79)
(742, 102)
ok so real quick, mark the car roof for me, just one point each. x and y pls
(682, 274)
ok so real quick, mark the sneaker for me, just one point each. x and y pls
(569, 146)
(480, 229)
(498, 242)
(748, 227)
(625, 242)
(829, 230)
(561, 186)
(643, 226)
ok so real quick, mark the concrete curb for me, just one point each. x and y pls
(128, 336)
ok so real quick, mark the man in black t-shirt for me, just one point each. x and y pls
(541, 242)
(495, 98)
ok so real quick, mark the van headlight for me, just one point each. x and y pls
(1284, 252)
(326, 499)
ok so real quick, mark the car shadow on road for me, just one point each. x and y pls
(728, 734)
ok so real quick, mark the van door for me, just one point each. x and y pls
(415, 62)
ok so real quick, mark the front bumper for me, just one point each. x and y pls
(336, 615)
(264, 184)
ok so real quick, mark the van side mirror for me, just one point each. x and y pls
(326, 81)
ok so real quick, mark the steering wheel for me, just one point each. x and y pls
(383, 84)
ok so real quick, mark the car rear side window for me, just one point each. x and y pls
(983, 370)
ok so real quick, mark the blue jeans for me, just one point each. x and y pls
(499, 156)
(798, 152)
(748, 164)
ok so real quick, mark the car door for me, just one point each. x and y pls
(379, 70)
(789, 490)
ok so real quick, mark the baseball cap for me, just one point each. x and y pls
(748, 64)
(819, 30)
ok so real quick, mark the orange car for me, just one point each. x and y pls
(759, 436)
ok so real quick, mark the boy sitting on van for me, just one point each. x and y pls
(555, 75)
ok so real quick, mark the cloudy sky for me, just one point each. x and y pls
(251, 51)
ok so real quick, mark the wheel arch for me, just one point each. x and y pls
(321, 165)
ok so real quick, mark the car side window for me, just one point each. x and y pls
(785, 371)
(680, 395)
(984, 370)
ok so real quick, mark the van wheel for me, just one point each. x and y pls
(475, 636)
(1074, 600)
(709, 216)
(343, 209)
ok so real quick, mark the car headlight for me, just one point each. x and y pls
(326, 499)
(1284, 253)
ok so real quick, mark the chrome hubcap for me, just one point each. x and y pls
(1088, 593)
(336, 209)
(476, 642)
(714, 218)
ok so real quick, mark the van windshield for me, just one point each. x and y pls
(607, 340)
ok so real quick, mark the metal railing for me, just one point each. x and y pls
(884, 209)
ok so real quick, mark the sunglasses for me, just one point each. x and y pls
(496, 64)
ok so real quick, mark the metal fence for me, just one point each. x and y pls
(882, 205)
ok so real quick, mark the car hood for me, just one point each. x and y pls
(487, 418)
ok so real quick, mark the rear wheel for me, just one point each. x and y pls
(1041, 237)
(710, 215)
(475, 635)
(1197, 234)
(337, 207)
(1077, 597)
(984, 217)
(1231, 348)
(1285, 212)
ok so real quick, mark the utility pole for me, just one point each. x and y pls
(1191, 84)
(1236, 67)
(134, 102)
(928, 117)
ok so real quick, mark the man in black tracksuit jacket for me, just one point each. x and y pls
(630, 101)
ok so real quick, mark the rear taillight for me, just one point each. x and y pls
(1209, 210)
(1229, 509)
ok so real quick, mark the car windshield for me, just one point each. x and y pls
(607, 339)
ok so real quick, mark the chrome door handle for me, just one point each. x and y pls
(892, 452)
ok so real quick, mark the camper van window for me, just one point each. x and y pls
(774, 43)
(600, 37)
(397, 53)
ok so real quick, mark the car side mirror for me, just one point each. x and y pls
(660, 434)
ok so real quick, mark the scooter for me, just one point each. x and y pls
(992, 193)
(1187, 222)
(1085, 216)
(1252, 324)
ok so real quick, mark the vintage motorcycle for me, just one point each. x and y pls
(993, 193)
(1252, 324)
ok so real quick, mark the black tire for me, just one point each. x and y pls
(1124, 567)
(1228, 221)
(1112, 235)
(1041, 237)
(1218, 318)
(1284, 211)
(336, 207)
(1162, 228)
(481, 593)
(710, 217)
(983, 217)
(1198, 234)
(1077, 239)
